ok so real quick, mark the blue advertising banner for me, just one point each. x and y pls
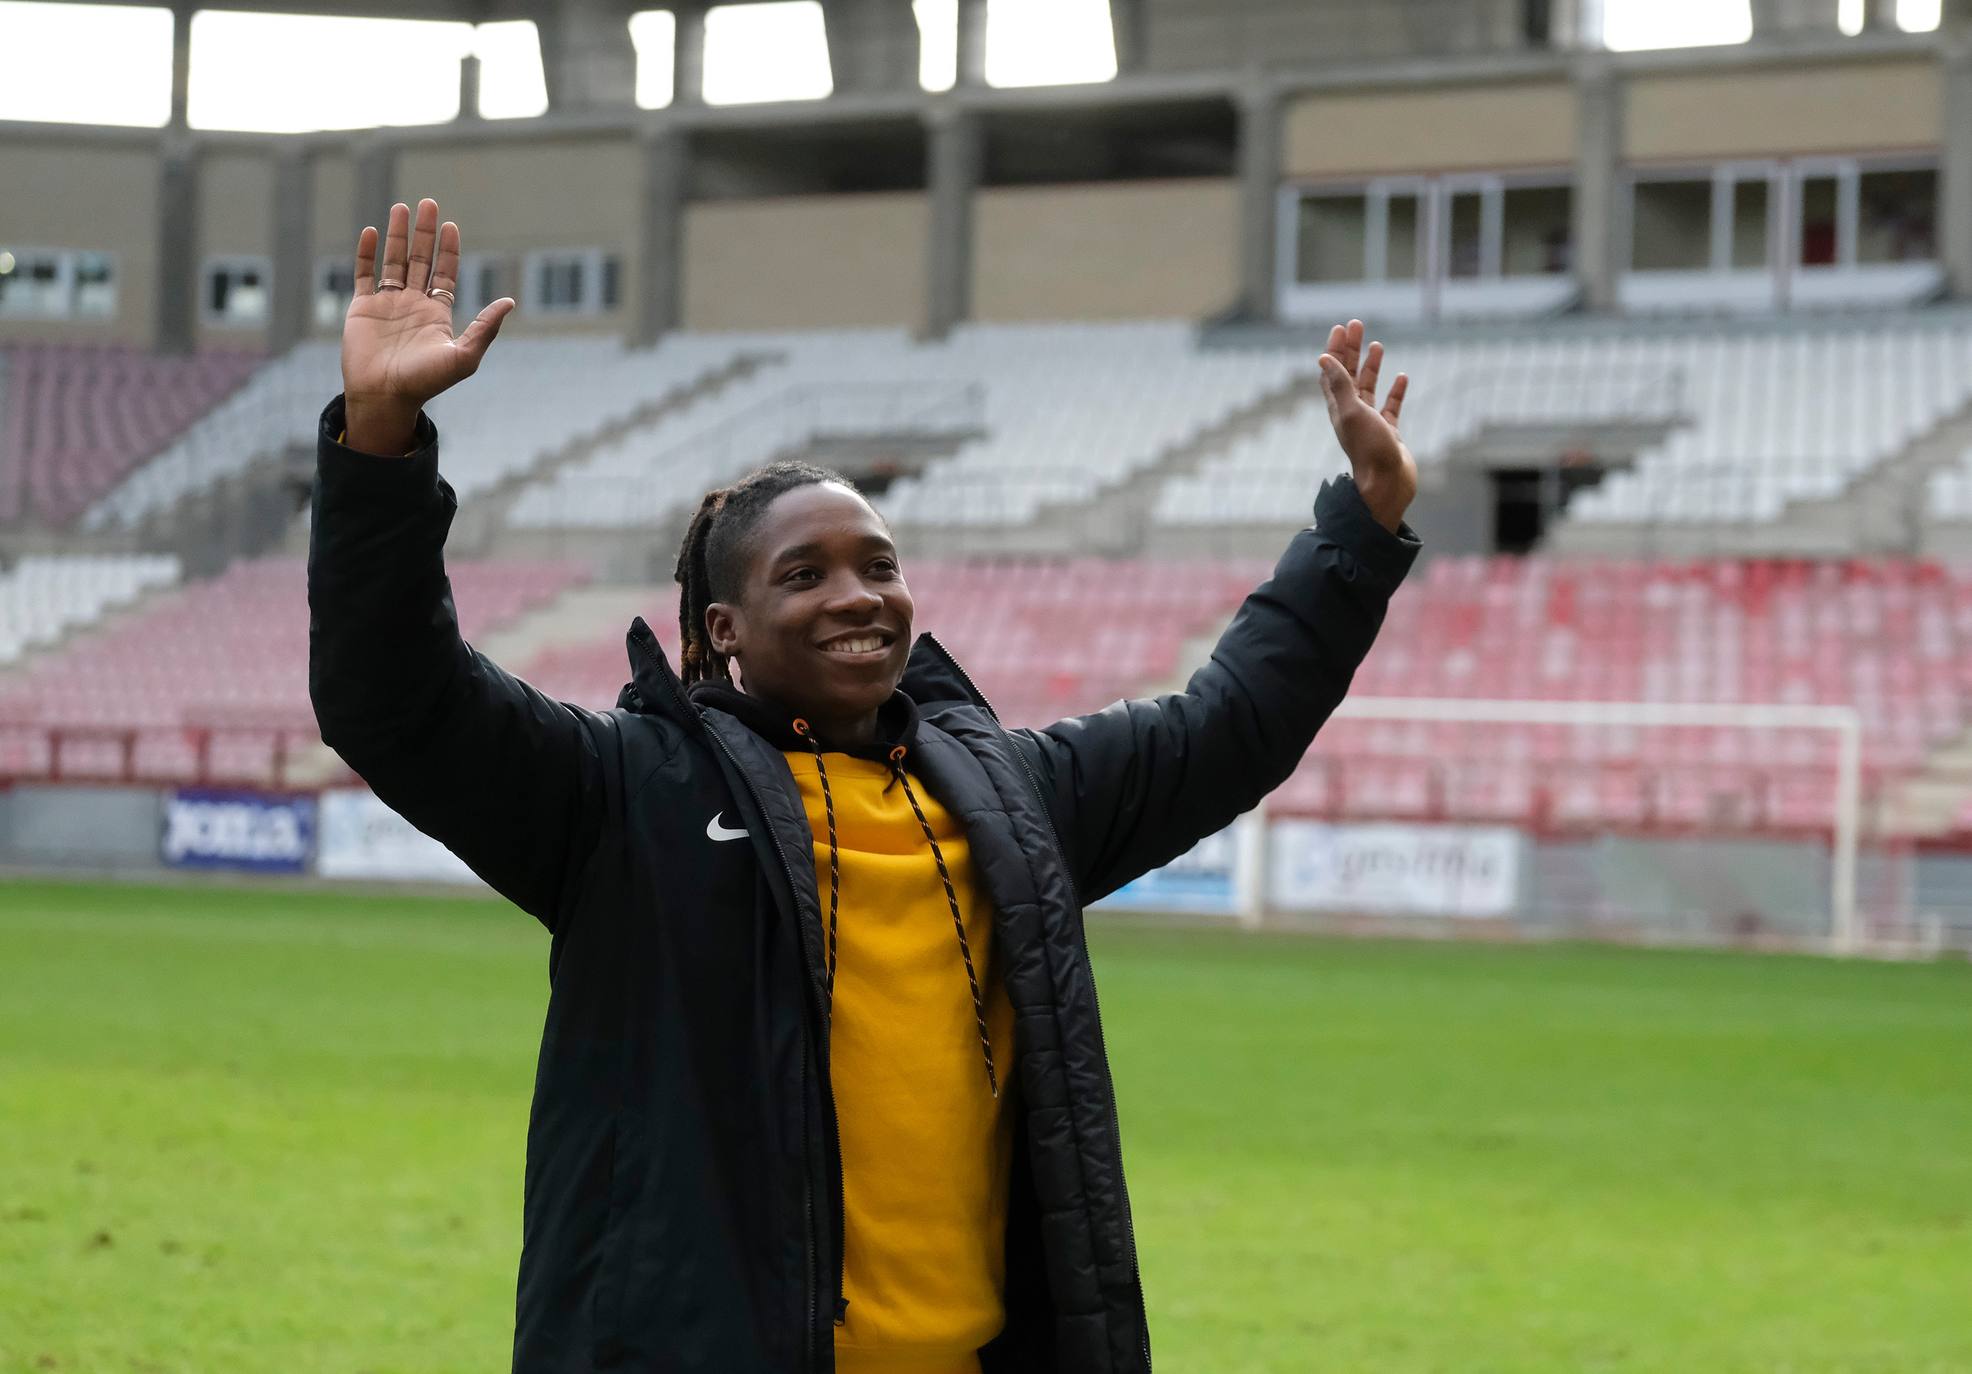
(1203, 880)
(251, 831)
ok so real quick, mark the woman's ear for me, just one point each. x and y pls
(722, 628)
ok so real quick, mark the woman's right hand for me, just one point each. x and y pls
(397, 345)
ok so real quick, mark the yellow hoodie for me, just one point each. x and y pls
(926, 1145)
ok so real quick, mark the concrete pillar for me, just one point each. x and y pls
(468, 88)
(1773, 17)
(1597, 229)
(181, 65)
(972, 42)
(1955, 179)
(177, 298)
(1261, 110)
(688, 56)
(664, 167)
(955, 146)
(1129, 23)
(873, 45)
(293, 298)
(587, 56)
(375, 163)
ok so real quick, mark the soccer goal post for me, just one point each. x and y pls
(1835, 811)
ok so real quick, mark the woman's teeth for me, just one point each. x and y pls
(853, 646)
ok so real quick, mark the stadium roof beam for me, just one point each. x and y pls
(586, 55)
(873, 45)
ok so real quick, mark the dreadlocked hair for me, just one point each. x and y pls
(711, 562)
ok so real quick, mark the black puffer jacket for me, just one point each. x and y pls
(683, 1208)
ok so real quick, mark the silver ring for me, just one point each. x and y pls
(450, 299)
(388, 285)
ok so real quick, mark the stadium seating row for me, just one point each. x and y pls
(228, 656)
(75, 419)
(42, 597)
(1755, 418)
(1046, 638)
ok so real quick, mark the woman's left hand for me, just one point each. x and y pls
(1385, 472)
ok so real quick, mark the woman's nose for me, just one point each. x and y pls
(854, 594)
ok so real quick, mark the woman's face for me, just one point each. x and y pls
(822, 626)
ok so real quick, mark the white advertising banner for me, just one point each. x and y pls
(1421, 870)
(360, 837)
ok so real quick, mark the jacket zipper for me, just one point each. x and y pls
(807, 1183)
(1061, 854)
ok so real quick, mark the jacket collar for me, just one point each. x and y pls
(931, 677)
(896, 721)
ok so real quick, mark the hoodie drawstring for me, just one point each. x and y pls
(835, 861)
(944, 876)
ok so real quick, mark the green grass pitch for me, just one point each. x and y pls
(244, 1131)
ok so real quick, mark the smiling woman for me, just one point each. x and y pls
(782, 1117)
(791, 575)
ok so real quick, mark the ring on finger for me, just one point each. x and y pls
(388, 285)
(442, 293)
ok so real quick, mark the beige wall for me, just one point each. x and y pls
(1368, 133)
(235, 218)
(510, 198)
(1775, 111)
(806, 262)
(66, 194)
(1134, 250)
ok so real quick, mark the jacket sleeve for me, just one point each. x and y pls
(1137, 784)
(508, 780)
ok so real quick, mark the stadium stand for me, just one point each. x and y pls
(78, 419)
(1758, 418)
(1046, 413)
(1890, 637)
(45, 596)
(212, 682)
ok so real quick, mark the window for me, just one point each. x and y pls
(1370, 235)
(1671, 226)
(335, 285)
(1857, 216)
(235, 292)
(1749, 233)
(1465, 249)
(1331, 238)
(1537, 231)
(1401, 237)
(1821, 220)
(56, 284)
(95, 286)
(1897, 216)
(483, 279)
(33, 285)
(572, 282)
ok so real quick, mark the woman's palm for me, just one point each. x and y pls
(397, 341)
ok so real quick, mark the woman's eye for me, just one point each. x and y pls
(802, 575)
(883, 567)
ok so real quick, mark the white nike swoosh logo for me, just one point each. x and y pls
(716, 831)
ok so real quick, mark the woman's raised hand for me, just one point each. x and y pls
(1385, 472)
(398, 350)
